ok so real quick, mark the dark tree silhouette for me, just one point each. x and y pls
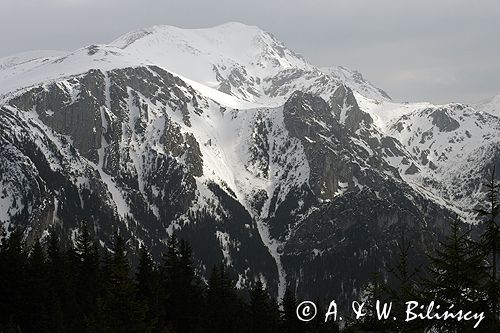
(456, 275)
(490, 246)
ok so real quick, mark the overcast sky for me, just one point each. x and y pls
(432, 50)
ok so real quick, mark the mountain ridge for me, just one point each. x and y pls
(257, 161)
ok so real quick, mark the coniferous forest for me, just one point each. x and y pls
(84, 288)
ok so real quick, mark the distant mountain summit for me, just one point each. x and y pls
(356, 81)
(491, 106)
(300, 176)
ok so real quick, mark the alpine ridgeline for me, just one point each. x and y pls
(304, 177)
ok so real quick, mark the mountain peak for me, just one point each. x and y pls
(227, 137)
(355, 80)
(165, 33)
(234, 25)
(491, 106)
(230, 28)
(234, 58)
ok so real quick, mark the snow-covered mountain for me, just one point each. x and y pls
(356, 81)
(298, 175)
(491, 106)
(452, 148)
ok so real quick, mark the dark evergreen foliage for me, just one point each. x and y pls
(224, 308)
(148, 286)
(461, 272)
(291, 323)
(489, 248)
(263, 315)
(456, 276)
(13, 281)
(86, 288)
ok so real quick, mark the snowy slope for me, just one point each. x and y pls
(238, 60)
(355, 80)
(238, 54)
(448, 145)
(194, 52)
(26, 60)
(384, 112)
(491, 106)
(165, 126)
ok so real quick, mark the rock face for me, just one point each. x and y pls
(443, 121)
(139, 174)
(282, 171)
(347, 221)
(58, 107)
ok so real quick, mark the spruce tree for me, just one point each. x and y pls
(490, 247)
(37, 283)
(60, 304)
(260, 309)
(182, 294)
(404, 286)
(121, 311)
(375, 290)
(146, 274)
(85, 258)
(168, 276)
(171, 257)
(148, 291)
(13, 287)
(224, 308)
(455, 277)
(291, 323)
(274, 315)
(190, 291)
